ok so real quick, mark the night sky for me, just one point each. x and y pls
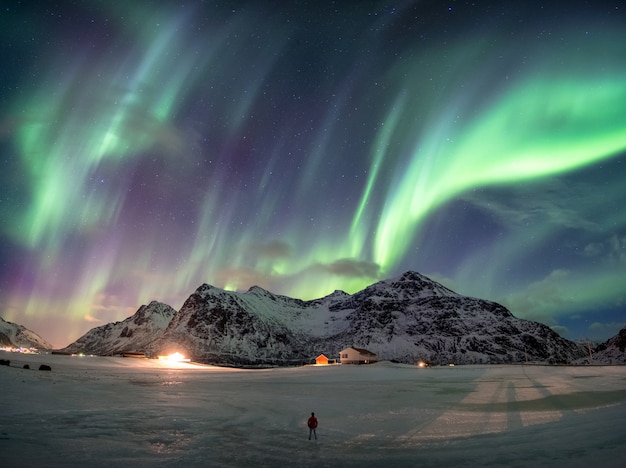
(147, 147)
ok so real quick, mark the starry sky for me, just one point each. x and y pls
(147, 147)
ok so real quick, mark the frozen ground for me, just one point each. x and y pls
(94, 412)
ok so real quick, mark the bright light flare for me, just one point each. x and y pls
(174, 357)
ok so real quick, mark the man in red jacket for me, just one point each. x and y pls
(312, 423)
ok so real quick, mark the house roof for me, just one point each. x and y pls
(321, 356)
(361, 351)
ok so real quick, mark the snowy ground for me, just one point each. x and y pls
(94, 411)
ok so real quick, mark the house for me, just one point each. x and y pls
(357, 356)
(321, 359)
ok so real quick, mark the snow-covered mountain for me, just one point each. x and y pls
(18, 336)
(132, 335)
(407, 319)
(613, 351)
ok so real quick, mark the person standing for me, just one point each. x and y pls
(312, 423)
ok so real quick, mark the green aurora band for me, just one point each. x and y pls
(542, 126)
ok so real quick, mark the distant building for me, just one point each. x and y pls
(321, 359)
(357, 356)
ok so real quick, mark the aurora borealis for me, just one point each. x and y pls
(150, 147)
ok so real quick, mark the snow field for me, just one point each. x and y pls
(94, 411)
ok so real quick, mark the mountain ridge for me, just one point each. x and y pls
(612, 351)
(131, 335)
(18, 336)
(406, 319)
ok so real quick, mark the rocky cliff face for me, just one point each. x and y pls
(132, 335)
(17, 336)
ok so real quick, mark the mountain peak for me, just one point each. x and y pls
(133, 334)
(409, 284)
(411, 275)
(204, 287)
(338, 293)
